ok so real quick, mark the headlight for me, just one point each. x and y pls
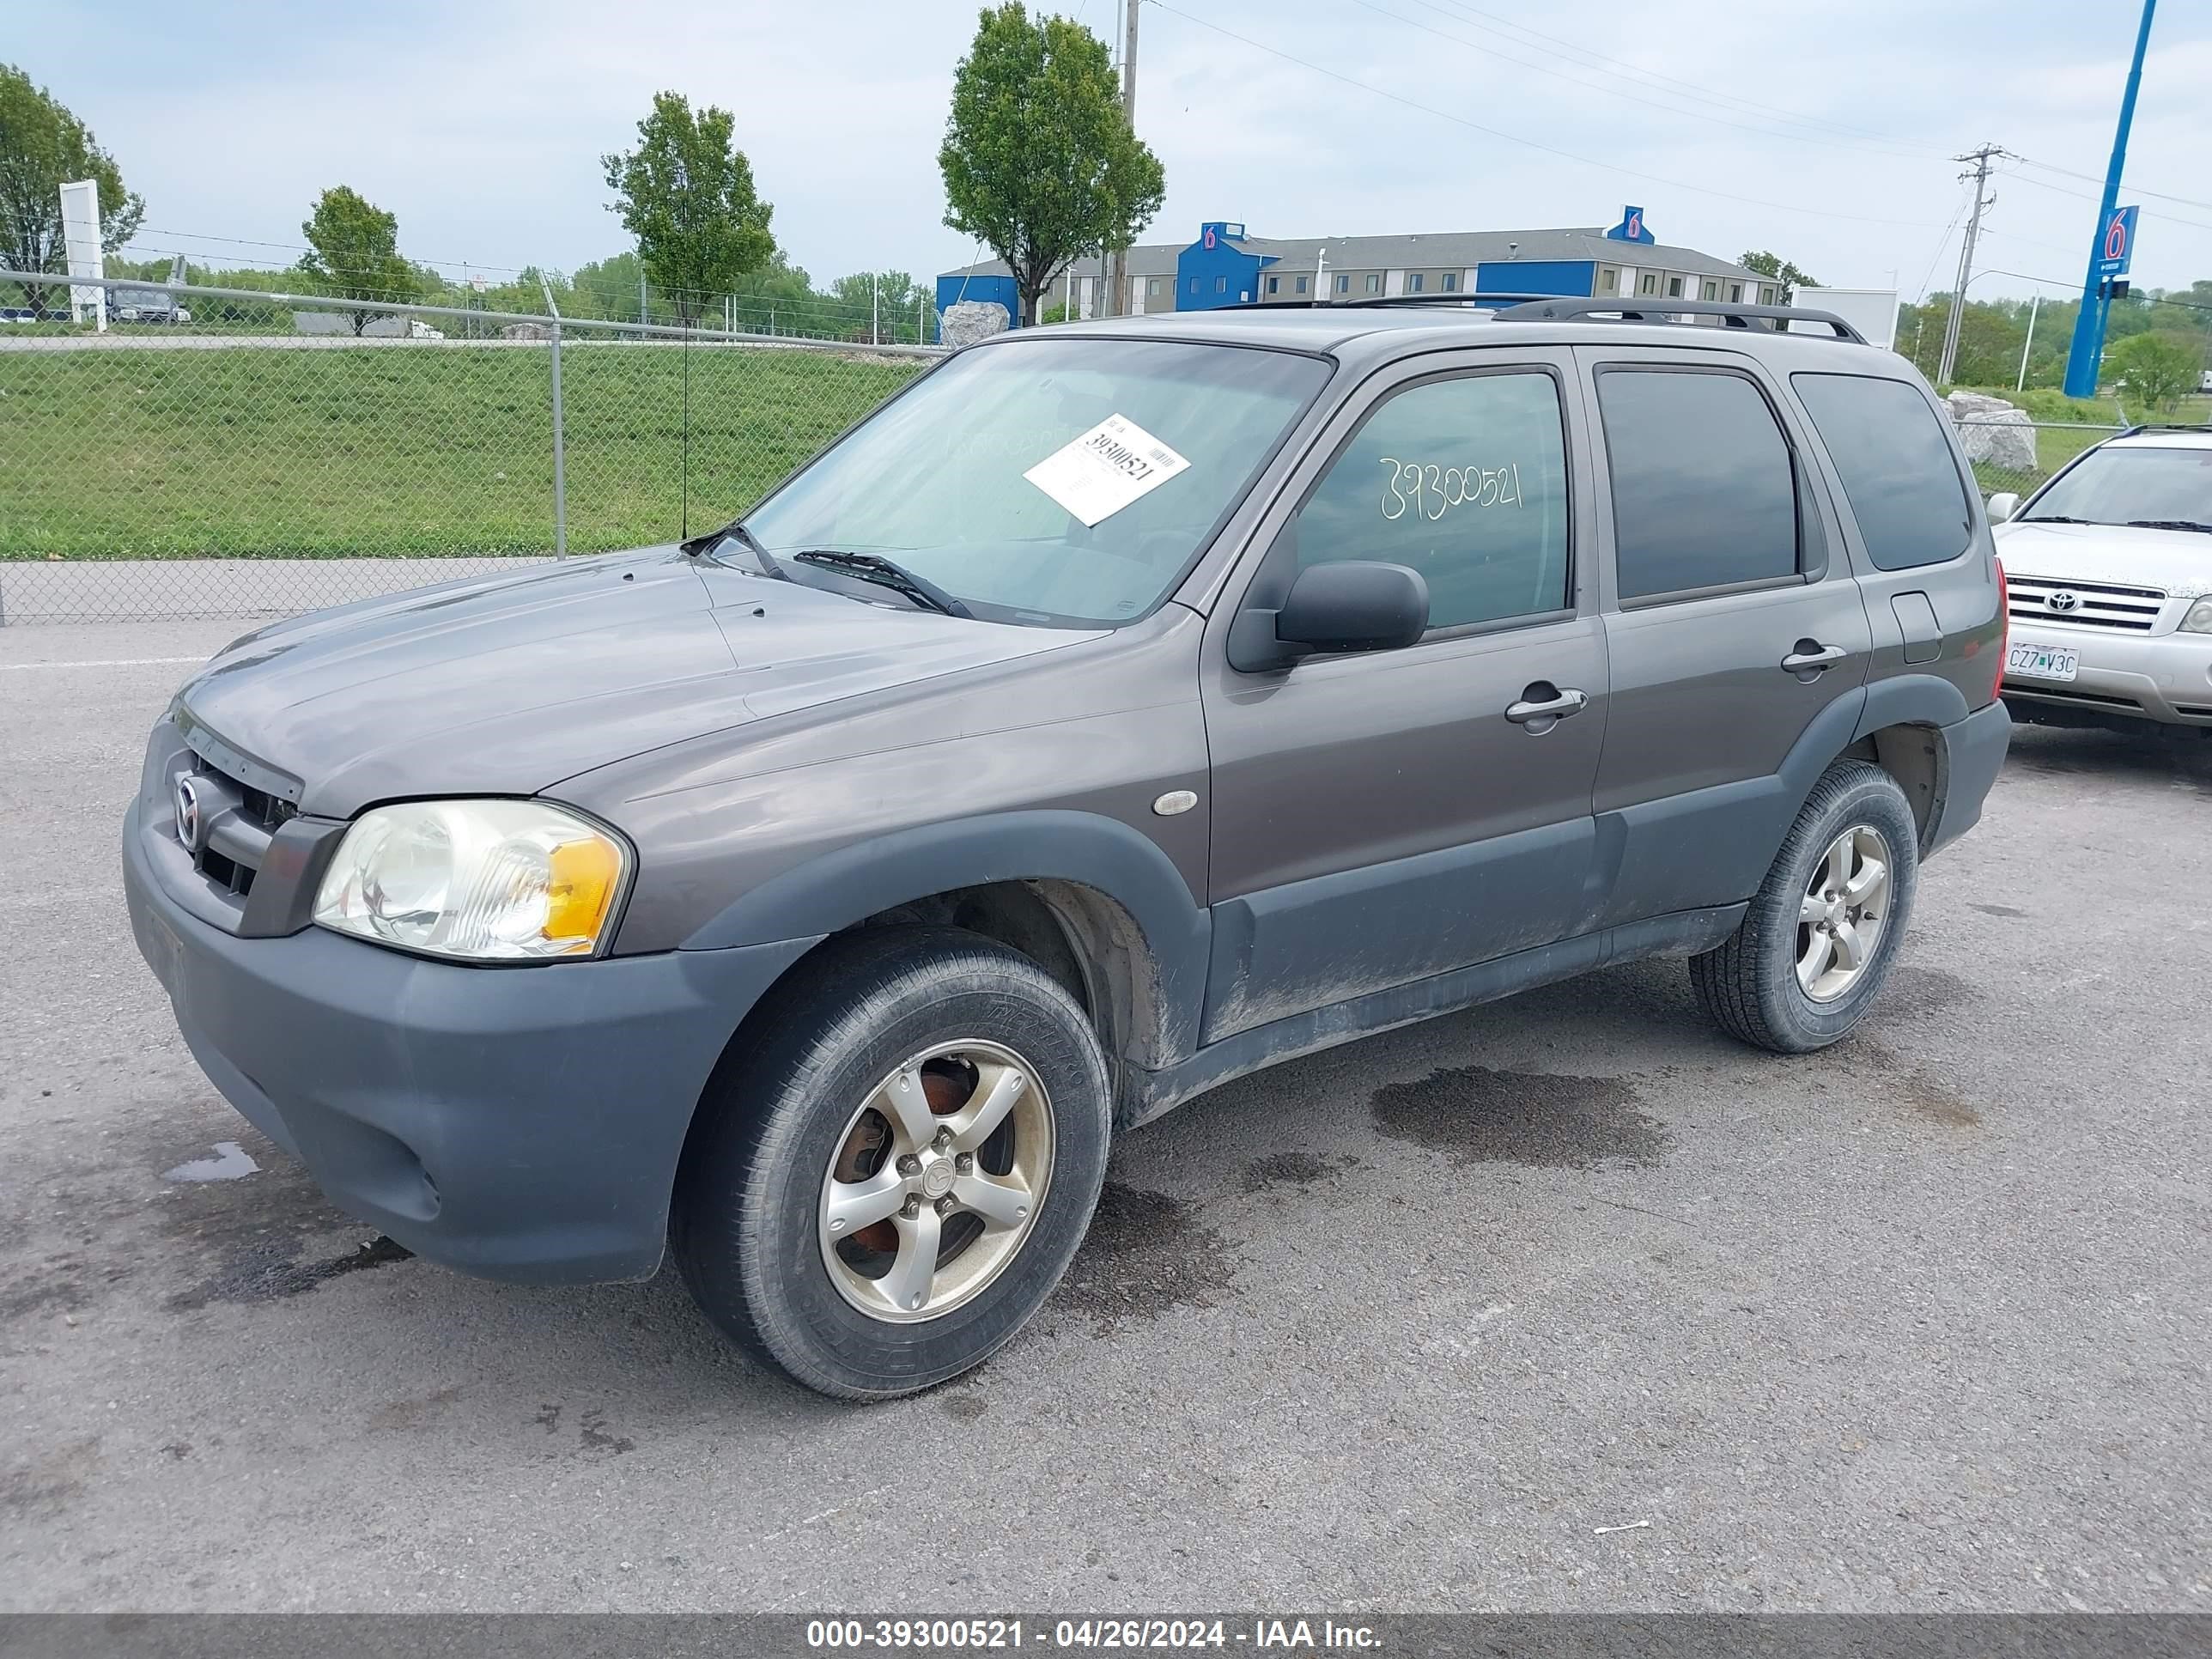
(2199, 619)
(482, 880)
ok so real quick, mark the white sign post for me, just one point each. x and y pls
(81, 241)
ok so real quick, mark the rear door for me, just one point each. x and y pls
(1380, 817)
(1733, 624)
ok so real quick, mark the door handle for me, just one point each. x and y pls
(1811, 657)
(1557, 706)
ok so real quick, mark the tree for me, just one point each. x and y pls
(1774, 265)
(2158, 369)
(1038, 159)
(687, 195)
(42, 148)
(354, 252)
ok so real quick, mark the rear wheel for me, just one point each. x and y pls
(1816, 947)
(895, 1175)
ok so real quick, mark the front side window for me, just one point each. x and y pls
(2141, 484)
(934, 480)
(1465, 480)
(1895, 462)
(1704, 491)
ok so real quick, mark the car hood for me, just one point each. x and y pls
(506, 685)
(2178, 561)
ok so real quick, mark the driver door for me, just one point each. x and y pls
(1380, 817)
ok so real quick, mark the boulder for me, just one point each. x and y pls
(1993, 432)
(972, 320)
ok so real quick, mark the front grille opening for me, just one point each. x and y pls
(226, 871)
(268, 809)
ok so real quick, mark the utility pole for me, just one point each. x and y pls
(2088, 347)
(1981, 158)
(1116, 270)
(875, 311)
(2034, 305)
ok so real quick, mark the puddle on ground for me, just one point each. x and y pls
(231, 1161)
(1479, 1116)
(1143, 1256)
(267, 1273)
(1917, 989)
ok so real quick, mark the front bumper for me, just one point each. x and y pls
(520, 1123)
(2164, 678)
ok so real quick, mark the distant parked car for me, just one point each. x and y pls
(145, 304)
(18, 314)
(2111, 571)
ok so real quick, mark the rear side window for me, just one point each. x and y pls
(1705, 493)
(1896, 465)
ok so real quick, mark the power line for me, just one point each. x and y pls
(1491, 51)
(2157, 195)
(1690, 89)
(1531, 144)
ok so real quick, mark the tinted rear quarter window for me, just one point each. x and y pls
(1890, 451)
(1705, 493)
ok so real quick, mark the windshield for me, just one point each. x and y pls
(2130, 484)
(1048, 481)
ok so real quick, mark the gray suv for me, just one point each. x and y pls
(1119, 708)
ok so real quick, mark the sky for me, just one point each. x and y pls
(1826, 132)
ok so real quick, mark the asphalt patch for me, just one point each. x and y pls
(1284, 1169)
(1144, 1254)
(1479, 1116)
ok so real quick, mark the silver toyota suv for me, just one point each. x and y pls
(2111, 570)
(1119, 708)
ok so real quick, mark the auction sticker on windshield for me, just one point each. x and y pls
(1100, 472)
(2041, 662)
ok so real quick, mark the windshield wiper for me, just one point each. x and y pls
(2168, 524)
(2055, 518)
(735, 531)
(874, 567)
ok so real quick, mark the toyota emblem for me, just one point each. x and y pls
(2063, 600)
(188, 814)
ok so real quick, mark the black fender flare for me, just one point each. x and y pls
(826, 893)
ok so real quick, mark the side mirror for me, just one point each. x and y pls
(2003, 506)
(1353, 605)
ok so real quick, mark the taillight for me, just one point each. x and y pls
(2004, 630)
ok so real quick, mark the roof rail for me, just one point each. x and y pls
(2198, 426)
(1576, 309)
(1378, 300)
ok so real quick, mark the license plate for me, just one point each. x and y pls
(2031, 661)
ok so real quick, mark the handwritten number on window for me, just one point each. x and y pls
(1429, 491)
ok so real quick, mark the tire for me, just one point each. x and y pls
(1751, 984)
(804, 1120)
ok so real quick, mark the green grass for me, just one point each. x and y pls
(416, 450)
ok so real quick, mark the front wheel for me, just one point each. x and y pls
(1816, 944)
(895, 1175)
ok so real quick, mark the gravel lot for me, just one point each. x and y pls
(1921, 1323)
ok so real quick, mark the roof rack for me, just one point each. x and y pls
(1570, 308)
(2198, 426)
(1377, 300)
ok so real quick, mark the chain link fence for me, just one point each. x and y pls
(2020, 456)
(220, 452)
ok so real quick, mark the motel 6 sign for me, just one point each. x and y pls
(2117, 245)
